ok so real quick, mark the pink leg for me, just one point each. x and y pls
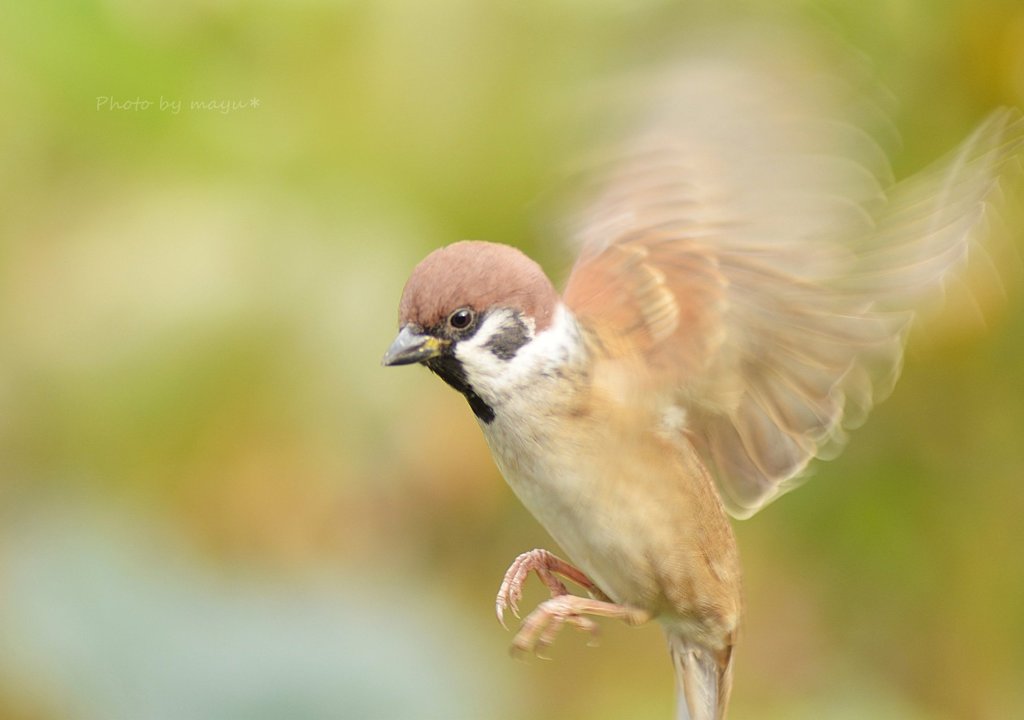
(542, 625)
(547, 567)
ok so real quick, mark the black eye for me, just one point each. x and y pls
(461, 319)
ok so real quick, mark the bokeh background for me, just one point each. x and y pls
(214, 503)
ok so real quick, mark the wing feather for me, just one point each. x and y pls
(748, 244)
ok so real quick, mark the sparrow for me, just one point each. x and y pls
(746, 277)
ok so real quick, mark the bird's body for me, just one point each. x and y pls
(742, 295)
(612, 477)
(626, 499)
(622, 477)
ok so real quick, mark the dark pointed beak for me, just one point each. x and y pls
(412, 347)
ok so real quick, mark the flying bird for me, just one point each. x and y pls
(747, 273)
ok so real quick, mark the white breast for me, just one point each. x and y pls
(552, 457)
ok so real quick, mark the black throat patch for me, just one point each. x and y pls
(449, 368)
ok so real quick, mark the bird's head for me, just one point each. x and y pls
(466, 312)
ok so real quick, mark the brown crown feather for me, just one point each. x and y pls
(478, 275)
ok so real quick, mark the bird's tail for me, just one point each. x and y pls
(703, 679)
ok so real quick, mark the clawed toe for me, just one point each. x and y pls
(546, 565)
(543, 624)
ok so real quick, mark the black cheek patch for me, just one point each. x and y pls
(506, 343)
(449, 368)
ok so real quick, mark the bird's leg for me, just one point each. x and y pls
(542, 625)
(548, 567)
(546, 620)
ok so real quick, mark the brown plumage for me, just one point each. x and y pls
(746, 278)
(477, 275)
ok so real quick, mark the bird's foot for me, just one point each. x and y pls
(542, 625)
(548, 567)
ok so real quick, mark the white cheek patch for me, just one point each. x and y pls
(504, 361)
(483, 368)
(491, 327)
(495, 371)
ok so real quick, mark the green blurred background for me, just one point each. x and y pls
(214, 502)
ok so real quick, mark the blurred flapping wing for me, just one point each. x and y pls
(747, 245)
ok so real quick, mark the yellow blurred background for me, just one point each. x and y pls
(214, 502)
